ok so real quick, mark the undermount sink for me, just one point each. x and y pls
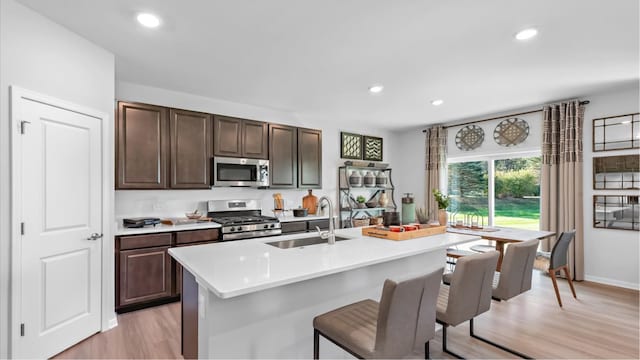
(294, 243)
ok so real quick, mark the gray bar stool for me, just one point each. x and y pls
(513, 280)
(401, 324)
(469, 294)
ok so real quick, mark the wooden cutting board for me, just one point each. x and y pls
(310, 202)
(375, 231)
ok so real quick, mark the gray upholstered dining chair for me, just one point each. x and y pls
(558, 261)
(469, 293)
(401, 324)
(517, 270)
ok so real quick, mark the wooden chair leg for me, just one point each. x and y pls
(568, 274)
(552, 273)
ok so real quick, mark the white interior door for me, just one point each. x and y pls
(61, 206)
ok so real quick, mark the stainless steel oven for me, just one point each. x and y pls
(240, 172)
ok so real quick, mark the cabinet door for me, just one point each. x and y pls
(144, 275)
(227, 133)
(142, 142)
(283, 156)
(309, 158)
(191, 149)
(255, 139)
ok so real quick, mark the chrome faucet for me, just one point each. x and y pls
(331, 234)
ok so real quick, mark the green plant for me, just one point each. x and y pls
(361, 199)
(441, 199)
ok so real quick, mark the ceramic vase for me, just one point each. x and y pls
(442, 217)
(369, 179)
(383, 200)
(381, 179)
(355, 179)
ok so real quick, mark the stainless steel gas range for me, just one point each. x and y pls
(242, 219)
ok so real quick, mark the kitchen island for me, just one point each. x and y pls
(248, 299)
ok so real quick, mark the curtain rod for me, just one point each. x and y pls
(500, 117)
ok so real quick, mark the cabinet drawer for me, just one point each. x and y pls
(187, 237)
(296, 226)
(321, 223)
(144, 241)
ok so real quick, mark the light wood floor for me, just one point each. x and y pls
(602, 323)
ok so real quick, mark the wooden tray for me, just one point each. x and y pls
(375, 231)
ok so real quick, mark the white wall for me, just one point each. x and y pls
(39, 55)
(611, 256)
(177, 202)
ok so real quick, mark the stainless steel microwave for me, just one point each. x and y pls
(240, 172)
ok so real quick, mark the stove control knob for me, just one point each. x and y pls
(232, 229)
(239, 228)
(273, 225)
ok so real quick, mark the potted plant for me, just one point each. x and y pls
(443, 203)
(361, 200)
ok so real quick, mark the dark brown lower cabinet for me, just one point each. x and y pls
(304, 226)
(144, 275)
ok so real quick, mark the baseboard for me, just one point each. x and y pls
(113, 322)
(612, 282)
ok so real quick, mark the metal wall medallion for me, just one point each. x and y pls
(469, 137)
(511, 132)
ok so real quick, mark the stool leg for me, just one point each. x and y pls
(316, 344)
(426, 350)
(444, 344)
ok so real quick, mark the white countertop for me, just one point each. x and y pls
(234, 268)
(120, 230)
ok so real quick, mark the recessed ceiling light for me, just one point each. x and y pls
(376, 89)
(148, 20)
(526, 34)
(437, 102)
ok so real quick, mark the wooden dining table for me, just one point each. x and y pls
(503, 235)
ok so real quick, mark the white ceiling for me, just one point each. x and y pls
(318, 58)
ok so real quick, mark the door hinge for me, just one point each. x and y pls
(21, 329)
(21, 228)
(22, 124)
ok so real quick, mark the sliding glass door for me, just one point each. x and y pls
(496, 191)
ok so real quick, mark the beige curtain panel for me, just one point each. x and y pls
(561, 178)
(436, 165)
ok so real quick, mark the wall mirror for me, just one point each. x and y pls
(616, 132)
(616, 212)
(616, 172)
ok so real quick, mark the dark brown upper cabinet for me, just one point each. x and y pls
(142, 138)
(240, 138)
(191, 149)
(283, 156)
(309, 158)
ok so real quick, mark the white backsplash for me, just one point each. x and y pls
(175, 203)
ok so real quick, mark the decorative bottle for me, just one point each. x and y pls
(383, 200)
